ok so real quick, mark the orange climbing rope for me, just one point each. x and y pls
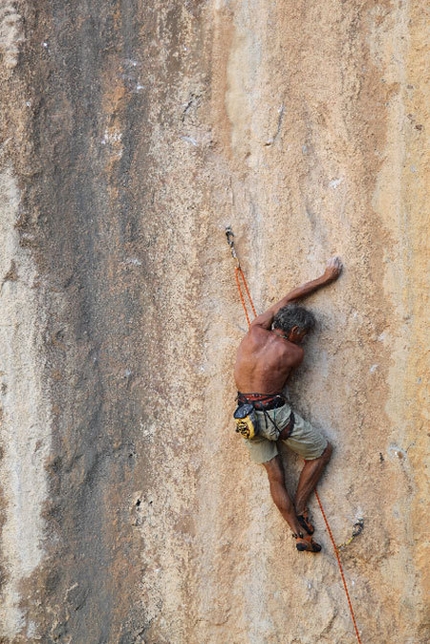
(240, 277)
(339, 563)
(239, 274)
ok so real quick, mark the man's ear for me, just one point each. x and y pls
(292, 333)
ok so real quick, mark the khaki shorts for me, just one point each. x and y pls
(304, 440)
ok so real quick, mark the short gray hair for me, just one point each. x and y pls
(293, 315)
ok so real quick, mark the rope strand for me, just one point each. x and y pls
(339, 563)
(240, 275)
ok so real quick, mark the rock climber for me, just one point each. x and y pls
(265, 359)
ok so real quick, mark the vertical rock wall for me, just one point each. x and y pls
(132, 134)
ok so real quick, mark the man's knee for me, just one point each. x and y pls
(274, 470)
(278, 491)
(326, 455)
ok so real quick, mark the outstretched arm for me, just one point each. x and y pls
(331, 273)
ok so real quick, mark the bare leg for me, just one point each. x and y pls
(309, 477)
(279, 493)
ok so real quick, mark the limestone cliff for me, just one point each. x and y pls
(132, 133)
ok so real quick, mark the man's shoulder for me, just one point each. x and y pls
(257, 331)
(258, 336)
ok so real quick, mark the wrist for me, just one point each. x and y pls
(324, 279)
(328, 277)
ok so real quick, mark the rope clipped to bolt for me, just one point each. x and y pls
(241, 282)
(240, 277)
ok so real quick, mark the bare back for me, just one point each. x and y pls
(264, 361)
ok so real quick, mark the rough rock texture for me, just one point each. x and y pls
(132, 134)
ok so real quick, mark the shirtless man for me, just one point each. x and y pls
(265, 358)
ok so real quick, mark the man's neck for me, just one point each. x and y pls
(281, 335)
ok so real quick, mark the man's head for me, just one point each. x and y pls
(293, 317)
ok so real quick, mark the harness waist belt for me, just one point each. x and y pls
(262, 402)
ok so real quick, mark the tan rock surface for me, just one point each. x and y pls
(132, 134)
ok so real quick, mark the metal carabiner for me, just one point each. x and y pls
(230, 241)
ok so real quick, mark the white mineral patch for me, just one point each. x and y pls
(397, 452)
(189, 139)
(111, 137)
(335, 183)
(133, 260)
(11, 33)
(25, 428)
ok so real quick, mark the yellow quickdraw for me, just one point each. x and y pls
(357, 529)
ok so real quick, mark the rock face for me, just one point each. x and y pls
(132, 134)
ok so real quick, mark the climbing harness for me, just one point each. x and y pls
(247, 423)
(358, 526)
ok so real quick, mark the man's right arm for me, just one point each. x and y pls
(331, 273)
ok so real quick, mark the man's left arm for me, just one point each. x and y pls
(331, 273)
